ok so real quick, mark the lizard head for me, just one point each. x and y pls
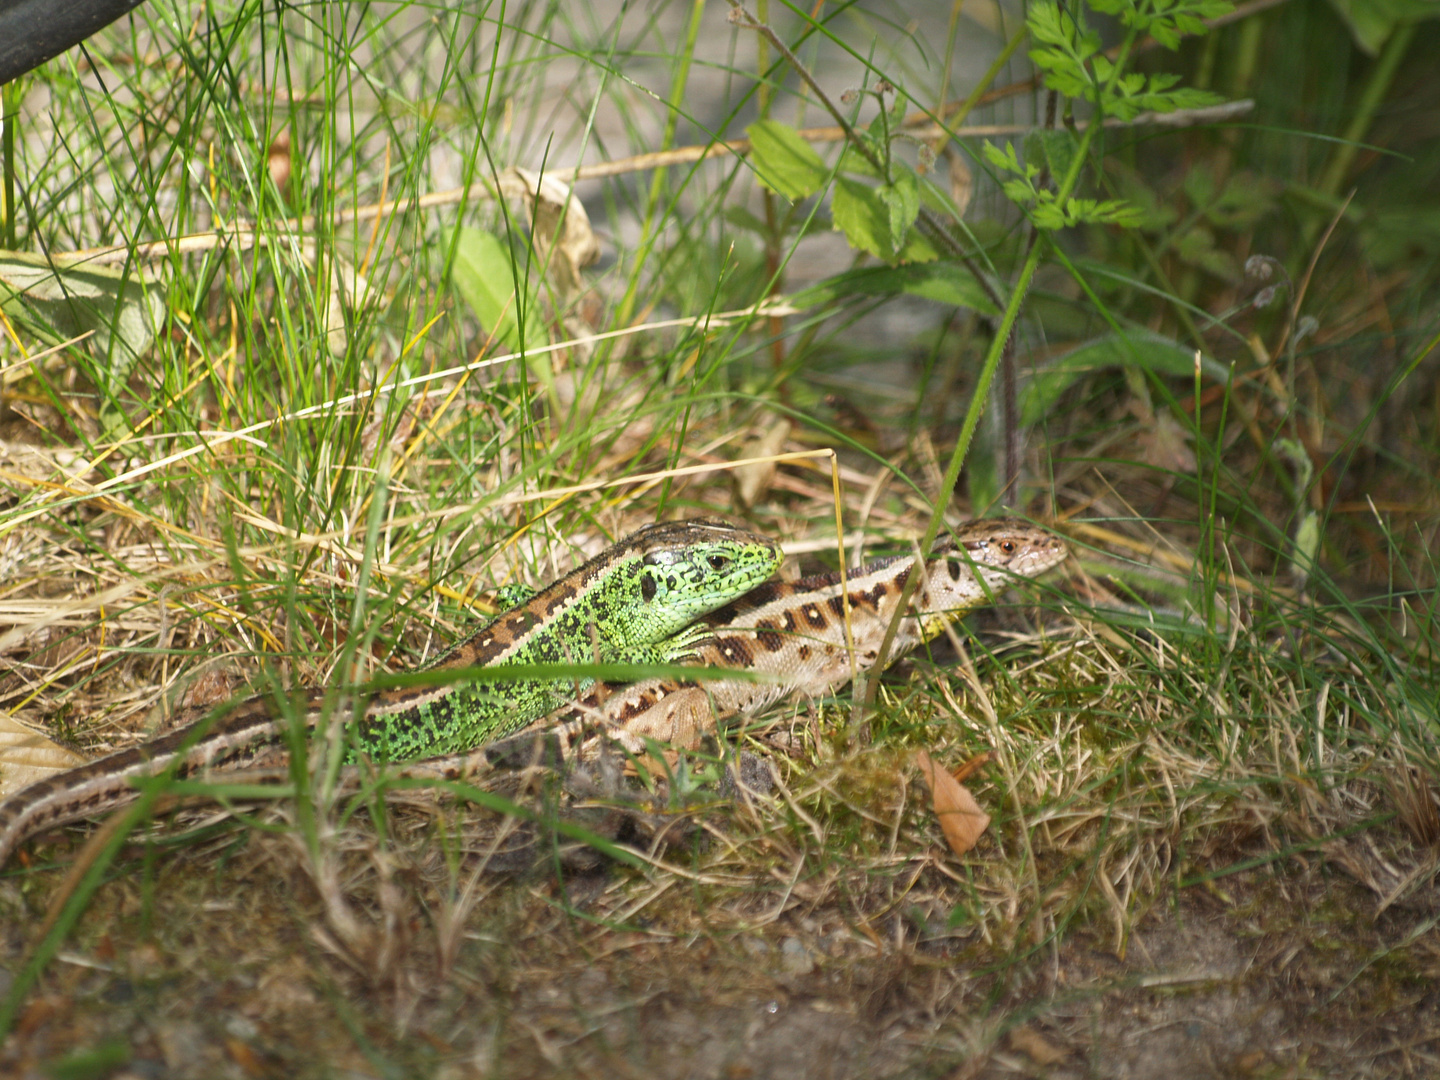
(686, 569)
(1001, 550)
(982, 558)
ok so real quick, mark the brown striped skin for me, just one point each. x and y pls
(647, 560)
(793, 635)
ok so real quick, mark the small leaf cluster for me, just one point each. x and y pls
(1203, 222)
(877, 218)
(1167, 21)
(1068, 53)
(1047, 210)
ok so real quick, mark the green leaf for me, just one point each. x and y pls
(62, 299)
(944, 282)
(1199, 184)
(1372, 22)
(1165, 20)
(1049, 214)
(784, 162)
(744, 219)
(902, 199)
(69, 298)
(93, 1063)
(1155, 215)
(1134, 349)
(1004, 160)
(485, 280)
(1246, 199)
(1019, 191)
(864, 216)
(1066, 48)
(1056, 148)
(916, 249)
(852, 161)
(1197, 248)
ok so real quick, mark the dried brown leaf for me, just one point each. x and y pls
(752, 482)
(1036, 1047)
(971, 767)
(961, 819)
(548, 199)
(27, 757)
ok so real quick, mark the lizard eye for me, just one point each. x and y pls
(1007, 546)
(718, 562)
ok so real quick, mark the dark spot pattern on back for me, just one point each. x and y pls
(735, 650)
(837, 605)
(953, 566)
(637, 707)
(815, 617)
(804, 652)
(724, 616)
(768, 637)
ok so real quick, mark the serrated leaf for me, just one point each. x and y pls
(859, 214)
(1197, 248)
(944, 282)
(1048, 215)
(864, 217)
(1018, 191)
(784, 162)
(1001, 159)
(1056, 148)
(902, 199)
(1134, 349)
(485, 280)
(1246, 199)
(916, 249)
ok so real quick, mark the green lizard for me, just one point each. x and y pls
(633, 603)
(795, 637)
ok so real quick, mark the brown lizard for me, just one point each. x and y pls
(792, 637)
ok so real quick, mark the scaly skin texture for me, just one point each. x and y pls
(630, 604)
(793, 636)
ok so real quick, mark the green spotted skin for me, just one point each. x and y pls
(630, 604)
(633, 603)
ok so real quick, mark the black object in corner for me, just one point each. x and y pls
(32, 31)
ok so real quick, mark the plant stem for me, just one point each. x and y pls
(1375, 91)
(982, 387)
(9, 117)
